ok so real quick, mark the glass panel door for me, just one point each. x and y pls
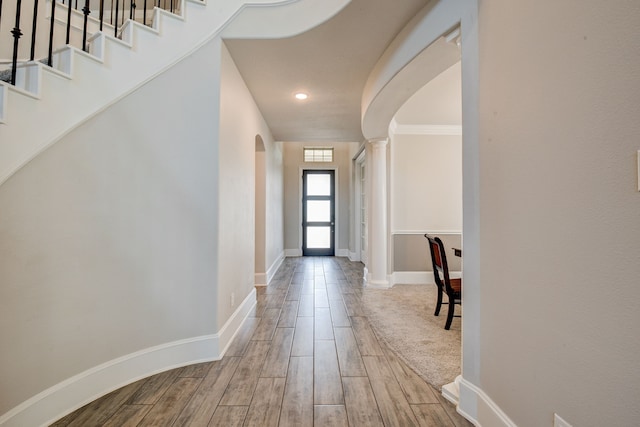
(318, 212)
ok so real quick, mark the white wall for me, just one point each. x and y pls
(260, 202)
(274, 211)
(108, 240)
(112, 239)
(240, 122)
(560, 224)
(426, 183)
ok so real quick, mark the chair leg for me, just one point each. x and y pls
(452, 307)
(439, 302)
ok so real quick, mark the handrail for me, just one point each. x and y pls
(46, 26)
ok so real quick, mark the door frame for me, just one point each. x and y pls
(360, 251)
(336, 205)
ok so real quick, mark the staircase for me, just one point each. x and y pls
(47, 102)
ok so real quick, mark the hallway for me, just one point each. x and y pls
(305, 356)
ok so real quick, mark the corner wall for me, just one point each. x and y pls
(560, 222)
(240, 122)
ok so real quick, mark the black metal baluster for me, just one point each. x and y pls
(16, 36)
(0, 12)
(86, 12)
(68, 22)
(53, 17)
(76, 8)
(171, 6)
(144, 12)
(115, 25)
(33, 30)
(132, 10)
(101, 13)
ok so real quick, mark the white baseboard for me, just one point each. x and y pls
(274, 267)
(342, 253)
(227, 333)
(375, 284)
(263, 279)
(353, 257)
(75, 392)
(292, 252)
(412, 278)
(417, 277)
(451, 391)
(478, 408)
(260, 279)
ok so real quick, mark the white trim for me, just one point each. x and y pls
(228, 332)
(376, 284)
(417, 277)
(353, 257)
(422, 232)
(260, 279)
(451, 393)
(412, 278)
(558, 421)
(476, 406)
(292, 252)
(398, 129)
(360, 254)
(75, 392)
(274, 267)
(342, 252)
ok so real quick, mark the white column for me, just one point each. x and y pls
(377, 254)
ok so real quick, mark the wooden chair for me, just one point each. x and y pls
(445, 284)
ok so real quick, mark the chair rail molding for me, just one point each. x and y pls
(422, 232)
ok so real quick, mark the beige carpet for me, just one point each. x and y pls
(403, 317)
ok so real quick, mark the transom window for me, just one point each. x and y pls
(318, 154)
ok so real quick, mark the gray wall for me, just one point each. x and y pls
(411, 252)
(560, 210)
(293, 164)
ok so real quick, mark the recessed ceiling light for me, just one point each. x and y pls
(301, 96)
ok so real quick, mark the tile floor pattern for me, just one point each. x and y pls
(306, 356)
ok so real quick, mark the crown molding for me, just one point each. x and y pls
(398, 129)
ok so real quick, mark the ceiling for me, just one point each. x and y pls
(330, 63)
(439, 102)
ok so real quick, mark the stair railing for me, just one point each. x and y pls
(46, 26)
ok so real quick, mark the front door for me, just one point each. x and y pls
(318, 213)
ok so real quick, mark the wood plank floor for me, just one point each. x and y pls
(307, 356)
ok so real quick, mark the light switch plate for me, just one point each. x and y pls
(559, 422)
